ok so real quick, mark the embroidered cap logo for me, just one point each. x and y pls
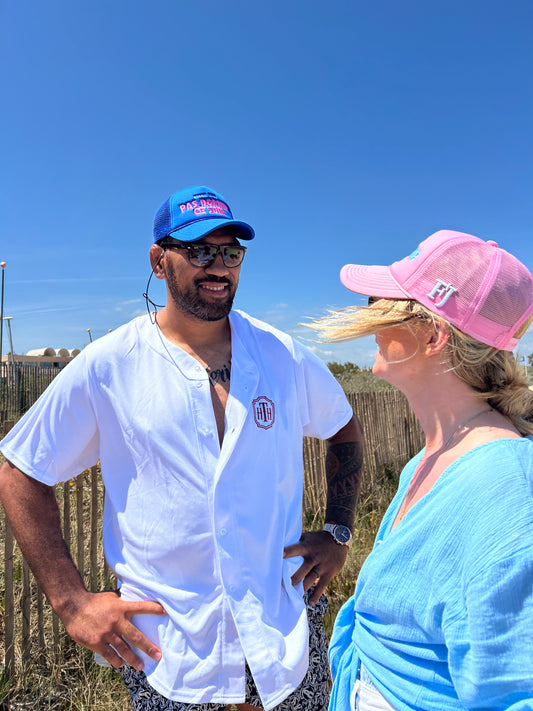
(441, 291)
(264, 412)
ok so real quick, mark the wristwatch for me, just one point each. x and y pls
(341, 534)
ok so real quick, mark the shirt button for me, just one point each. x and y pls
(231, 588)
(223, 531)
(199, 384)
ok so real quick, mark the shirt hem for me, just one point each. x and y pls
(219, 699)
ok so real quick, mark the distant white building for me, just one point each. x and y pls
(47, 357)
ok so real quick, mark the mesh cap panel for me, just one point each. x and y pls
(507, 301)
(462, 270)
(162, 221)
(465, 275)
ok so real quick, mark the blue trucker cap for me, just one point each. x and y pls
(192, 213)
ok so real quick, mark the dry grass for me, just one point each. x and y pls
(74, 684)
(362, 381)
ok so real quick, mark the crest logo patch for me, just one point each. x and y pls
(264, 412)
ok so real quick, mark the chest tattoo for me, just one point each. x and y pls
(220, 375)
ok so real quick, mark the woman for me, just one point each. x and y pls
(442, 615)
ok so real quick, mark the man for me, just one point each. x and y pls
(196, 413)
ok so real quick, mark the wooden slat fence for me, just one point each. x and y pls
(392, 436)
(32, 631)
(20, 386)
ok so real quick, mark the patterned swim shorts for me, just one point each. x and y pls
(311, 695)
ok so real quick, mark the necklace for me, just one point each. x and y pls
(425, 464)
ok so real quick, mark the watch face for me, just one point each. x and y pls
(342, 534)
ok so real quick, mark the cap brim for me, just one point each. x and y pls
(201, 228)
(371, 281)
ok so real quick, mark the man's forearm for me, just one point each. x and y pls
(344, 465)
(32, 509)
(98, 621)
(322, 556)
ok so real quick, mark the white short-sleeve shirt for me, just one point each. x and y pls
(198, 527)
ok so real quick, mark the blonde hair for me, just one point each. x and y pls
(358, 321)
(494, 374)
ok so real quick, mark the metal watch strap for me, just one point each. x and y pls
(341, 534)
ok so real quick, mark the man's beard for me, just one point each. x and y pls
(191, 301)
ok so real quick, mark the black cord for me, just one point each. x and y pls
(152, 314)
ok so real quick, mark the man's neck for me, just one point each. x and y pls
(192, 333)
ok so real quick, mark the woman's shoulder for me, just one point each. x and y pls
(508, 447)
(498, 460)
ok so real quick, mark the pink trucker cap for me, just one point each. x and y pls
(476, 286)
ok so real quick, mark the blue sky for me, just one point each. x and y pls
(342, 131)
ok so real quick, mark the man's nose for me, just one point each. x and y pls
(218, 267)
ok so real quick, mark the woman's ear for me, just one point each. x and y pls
(156, 261)
(437, 338)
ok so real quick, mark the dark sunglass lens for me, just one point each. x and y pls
(202, 255)
(232, 256)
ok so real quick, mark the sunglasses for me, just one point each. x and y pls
(408, 308)
(204, 255)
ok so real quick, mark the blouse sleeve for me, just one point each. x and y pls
(491, 644)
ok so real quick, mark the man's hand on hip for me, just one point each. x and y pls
(323, 558)
(101, 622)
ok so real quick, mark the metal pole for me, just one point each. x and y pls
(3, 265)
(90, 337)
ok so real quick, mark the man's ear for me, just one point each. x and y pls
(157, 254)
(437, 338)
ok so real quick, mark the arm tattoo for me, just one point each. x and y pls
(344, 464)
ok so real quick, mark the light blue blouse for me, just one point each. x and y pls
(442, 615)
